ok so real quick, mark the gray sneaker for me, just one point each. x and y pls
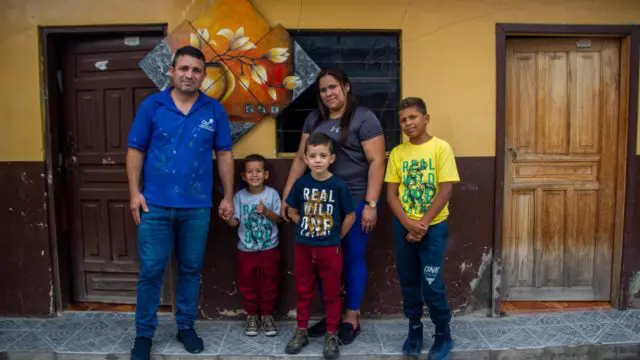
(252, 326)
(269, 326)
(331, 346)
(298, 342)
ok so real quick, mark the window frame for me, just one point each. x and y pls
(338, 32)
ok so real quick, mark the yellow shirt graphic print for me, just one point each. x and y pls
(419, 169)
(419, 185)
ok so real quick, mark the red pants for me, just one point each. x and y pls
(258, 278)
(311, 262)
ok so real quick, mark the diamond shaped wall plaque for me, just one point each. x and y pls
(250, 67)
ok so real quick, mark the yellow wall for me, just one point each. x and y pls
(448, 53)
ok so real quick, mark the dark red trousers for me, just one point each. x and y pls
(325, 262)
(258, 279)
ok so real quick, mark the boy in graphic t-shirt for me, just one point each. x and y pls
(420, 176)
(256, 214)
(322, 208)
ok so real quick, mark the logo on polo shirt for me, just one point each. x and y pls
(207, 124)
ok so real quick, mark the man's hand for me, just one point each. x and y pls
(138, 201)
(225, 210)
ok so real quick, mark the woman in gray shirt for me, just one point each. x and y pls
(360, 162)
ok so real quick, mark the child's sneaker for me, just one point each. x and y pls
(298, 342)
(442, 344)
(269, 326)
(252, 326)
(413, 345)
(331, 346)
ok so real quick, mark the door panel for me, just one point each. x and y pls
(103, 87)
(560, 168)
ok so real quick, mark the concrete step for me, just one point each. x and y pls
(625, 351)
(590, 335)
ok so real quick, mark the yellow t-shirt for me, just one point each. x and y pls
(420, 169)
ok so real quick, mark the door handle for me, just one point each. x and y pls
(514, 153)
(72, 160)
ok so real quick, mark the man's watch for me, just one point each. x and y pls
(372, 204)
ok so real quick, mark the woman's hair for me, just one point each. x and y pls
(350, 105)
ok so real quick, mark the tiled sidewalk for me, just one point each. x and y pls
(113, 333)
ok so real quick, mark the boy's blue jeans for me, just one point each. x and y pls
(419, 268)
(159, 229)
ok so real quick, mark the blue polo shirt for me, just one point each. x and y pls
(178, 164)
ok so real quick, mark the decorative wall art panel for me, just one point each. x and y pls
(254, 70)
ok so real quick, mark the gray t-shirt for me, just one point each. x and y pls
(256, 232)
(351, 163)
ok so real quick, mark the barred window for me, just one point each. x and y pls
(372, 62)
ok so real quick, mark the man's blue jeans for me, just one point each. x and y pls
(419, 268)
(159, 230)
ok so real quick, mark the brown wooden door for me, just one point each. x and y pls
(560, 168)
(102, 89)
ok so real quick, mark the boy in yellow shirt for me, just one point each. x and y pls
(420, 177)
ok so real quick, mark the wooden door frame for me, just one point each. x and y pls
(630, 61)
(48, 36)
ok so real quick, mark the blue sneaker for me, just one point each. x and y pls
(413, 345)
(442, 344)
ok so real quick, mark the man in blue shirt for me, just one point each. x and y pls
(170, 172)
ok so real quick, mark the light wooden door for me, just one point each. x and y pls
(560, 168)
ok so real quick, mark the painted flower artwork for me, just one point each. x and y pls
(250, 66)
